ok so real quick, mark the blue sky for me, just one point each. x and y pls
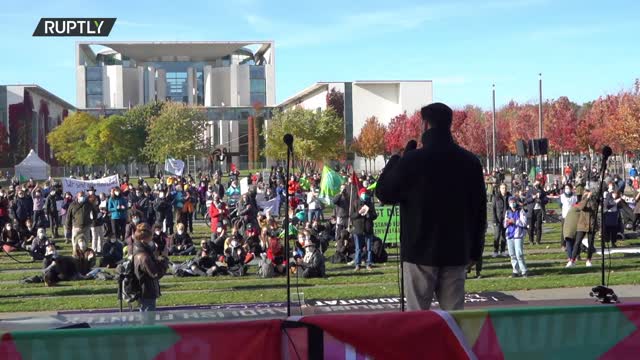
(583, 48)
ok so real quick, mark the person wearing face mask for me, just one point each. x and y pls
(612, 219)
(161, 241)
(182, 242)
(52, 211)
(568, 199)
(67, 200)
(586, 227)
(178, 200)
(10, 238)
(117, 206)
(162, 208)
(79, 218)
(4, 208)
(38, 246)
(499, 209)
(148, 268)
(515, 223)
(363, 213)
(112, 251)
(22, 208)
(28, 232)
(535, 201)
(217, 213)
(38, 206)
(312, 264)
(233, 194)
(84, 255)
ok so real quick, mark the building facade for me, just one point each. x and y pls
(364, 99)
(28, 113)
(233, 81)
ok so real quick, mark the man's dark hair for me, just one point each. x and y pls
(437, 115)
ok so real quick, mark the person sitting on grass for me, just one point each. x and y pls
(182, 243)
(344, 249)
(84, 255)
(515, 224)
(312, 264)
(11, 240)
(235, 256)
(38, 246)
(112, 252)
(28, 233)
(275, 253)
(58, 268)
(161, 240)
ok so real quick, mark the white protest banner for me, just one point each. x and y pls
(244, 185)
(271, 206)
(174, 166)
(103, 185)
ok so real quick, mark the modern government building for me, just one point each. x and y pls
(231, 80)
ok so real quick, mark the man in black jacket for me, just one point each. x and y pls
(535, 201)
(500, 205)
(51, 207)
(441, 232)
(341, 202)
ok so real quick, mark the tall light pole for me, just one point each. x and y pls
(540, 106)
(494, 125)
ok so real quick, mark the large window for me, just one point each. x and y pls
(258, 85)
(177, 87)
(93, 86)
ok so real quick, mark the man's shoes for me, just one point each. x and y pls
(514, 275)
(351, 262)
(570, 264)
(369, 268)
(495, 254)
(356, 269)
(504, 254)
(588, 264)
(478, 276)
(524, 275)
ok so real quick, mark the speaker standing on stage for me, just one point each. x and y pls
(441, 231)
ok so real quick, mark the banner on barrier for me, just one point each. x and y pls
(380, 224)
(103, 185)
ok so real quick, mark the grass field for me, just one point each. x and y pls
(546, 266)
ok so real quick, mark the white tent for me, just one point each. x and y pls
(33, 167)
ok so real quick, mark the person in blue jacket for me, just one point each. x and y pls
(515, 224)
(117, 207)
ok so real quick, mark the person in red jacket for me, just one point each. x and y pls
(217, 212)
(294, 186)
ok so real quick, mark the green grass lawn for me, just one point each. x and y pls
(546, 265)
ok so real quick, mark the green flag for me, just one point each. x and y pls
(304, 184)
(329, 184)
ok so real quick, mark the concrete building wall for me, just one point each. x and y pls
(244, 86)
(221, 86)
(191, 84)
(113, 95)
(161, 84)
(140, 70)
(130, 83)
(81, 83)
(415, 95)
(151, 83)
(208, 85)
(270, 78)
(233, 85)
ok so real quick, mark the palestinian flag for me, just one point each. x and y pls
(329, 184)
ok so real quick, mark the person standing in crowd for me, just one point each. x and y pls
(79, 219)
(341, 202)
(586, 227)
(499, 210)
(148, 268)
(38, 206)
(22, 208)
(442, 232)
(4, 208)
(535, 201)
(363, 214)
(52, 211)
(313, 203)
(636, 212)
(568, 199)
(515, 223)
(117, 206)
(612, 219)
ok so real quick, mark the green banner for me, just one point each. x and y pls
(380, 224)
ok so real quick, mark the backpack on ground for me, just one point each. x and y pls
(129, 288)
(265, 268)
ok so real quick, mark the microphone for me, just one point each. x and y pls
(606, 153)
(411, 145)
(288, 139)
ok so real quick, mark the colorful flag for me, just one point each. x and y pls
(355, 181)
(329, 184)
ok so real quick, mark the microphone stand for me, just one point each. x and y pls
(386, 232)
(602, 293)
(286, 229)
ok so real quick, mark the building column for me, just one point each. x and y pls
(208, 85)
(161, 84)
(191, 85)
(151, 84)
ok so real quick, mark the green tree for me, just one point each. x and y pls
(177, 132)
(318, 135)
(111, 142)
(68, 141)
(137, 120)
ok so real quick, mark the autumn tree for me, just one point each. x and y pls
(561, 124)
(595, 129)
(318, 135)
(335, 101)
(177, 132)
(137, 121)
(370, 142)
(111, 142)
(68, 141)
(400, 130)
(625, 133)
(469, 130)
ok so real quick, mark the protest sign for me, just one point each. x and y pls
(103, 185)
